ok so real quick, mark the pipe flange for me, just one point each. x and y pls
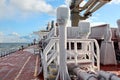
(92, 77)
(111, 75)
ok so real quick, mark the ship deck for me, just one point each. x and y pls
(25, 65)
(111, 68)
(21, 65)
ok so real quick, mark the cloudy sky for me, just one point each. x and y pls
(19, 18)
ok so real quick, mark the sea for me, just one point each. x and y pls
(7, 47)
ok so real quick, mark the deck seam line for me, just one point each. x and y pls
(36, 66)
(22, 68)
(7, 74)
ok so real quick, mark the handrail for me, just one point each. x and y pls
(47, 60)
(50, 45)
(51, 33)
(50, 53)
(98, 54)
(52, 57)
(93, 50)
(6, 52)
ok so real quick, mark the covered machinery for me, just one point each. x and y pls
(79, 12)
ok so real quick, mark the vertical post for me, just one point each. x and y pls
(45, 66)
(107, 51)
(92, 49)
(62, 17)
(58, 51)
(75, 48)
(70, 50)
(55, 31)
(84, 28)
(118, 23)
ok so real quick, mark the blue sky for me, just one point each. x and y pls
(19, 18)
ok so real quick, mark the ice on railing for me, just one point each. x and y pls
(51, 33)
(5, 52)
(72, 32)
(79, 53)
(84, 29)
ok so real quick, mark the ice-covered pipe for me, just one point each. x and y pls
(62, 18)
(107, 76)
(84, 75)
(100, 4)
(78, 2)
(97, 7)
(85, 29)
(90, 7)
(63, 14)
(87, 4)
(107, 33)
(81, 74)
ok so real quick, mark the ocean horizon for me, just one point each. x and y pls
(9, 46)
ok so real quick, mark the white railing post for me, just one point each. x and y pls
(76, 54)
(45, 56)
(58, 57)
(92, 50)
(98, 54)
(45, 66)
(118, 31)
(89, 52)
(70, 50)
(55, 31)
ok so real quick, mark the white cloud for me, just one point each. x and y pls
(1, 33)
(20, 7)
(94, 21)
(14, 34)
(5, 10)
(115, 2)
(97, 23)
(32, 5)
(13, 38)
(1, 37)
(68, 2)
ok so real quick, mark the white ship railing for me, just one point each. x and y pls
(6, 52)
(49, 54)
(89, 52)
(52, 33)
(72, 32)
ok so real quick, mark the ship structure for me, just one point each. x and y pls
(77, 52)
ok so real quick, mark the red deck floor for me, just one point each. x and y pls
(21, 65)
(112, 68)
(24, 65)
